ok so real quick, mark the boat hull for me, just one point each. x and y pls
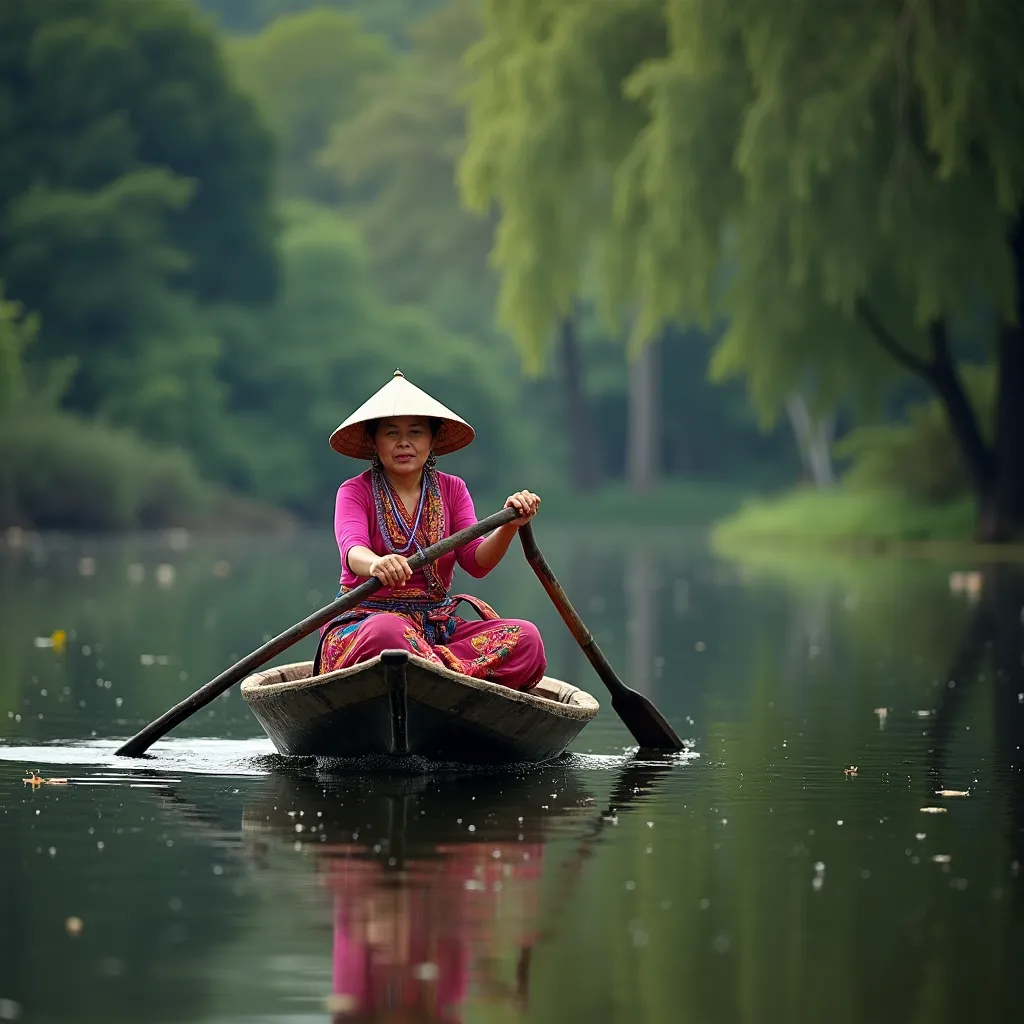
(402, 705)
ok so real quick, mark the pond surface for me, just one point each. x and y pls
(757, 879)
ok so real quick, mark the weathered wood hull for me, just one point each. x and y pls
(401, 705)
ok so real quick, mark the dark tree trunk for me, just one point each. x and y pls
(584, 464)
(1003, 518)
(978, 457)
(996, 471)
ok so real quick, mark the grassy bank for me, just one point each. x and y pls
(844, 519)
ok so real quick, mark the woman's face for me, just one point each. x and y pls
(403, 444)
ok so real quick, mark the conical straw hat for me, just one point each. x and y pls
(400, 398)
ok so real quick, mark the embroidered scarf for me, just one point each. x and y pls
(427, 526)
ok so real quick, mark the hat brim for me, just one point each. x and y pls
(400, 397)
(351, 439)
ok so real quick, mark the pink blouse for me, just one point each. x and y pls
(355, 524)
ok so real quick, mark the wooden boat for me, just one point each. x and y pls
(402, 705)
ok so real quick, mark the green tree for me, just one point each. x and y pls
(16, 334)
(328, 342)
(402, 148)
(844, 187)
(134, 190)
(308, 71)
(25, 385)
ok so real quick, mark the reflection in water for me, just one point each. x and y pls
(807, 635)
(758, 884)
(641, 585)
(435, 882)
(990, 658)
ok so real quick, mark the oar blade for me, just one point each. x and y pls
(645, 722)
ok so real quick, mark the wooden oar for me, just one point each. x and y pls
(142, 741)
(638, 713)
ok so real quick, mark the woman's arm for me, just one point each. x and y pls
(352, 513)
(495, 544)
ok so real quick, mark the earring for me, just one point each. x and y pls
(431, 459)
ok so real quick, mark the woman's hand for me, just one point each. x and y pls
(524, 502)
(391, 570)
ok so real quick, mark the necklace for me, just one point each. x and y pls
(395, 503)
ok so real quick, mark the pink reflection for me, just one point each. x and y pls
(412, 945)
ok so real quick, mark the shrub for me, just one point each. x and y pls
(919, 458)
(60, 471)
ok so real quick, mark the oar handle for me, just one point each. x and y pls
(141, 742)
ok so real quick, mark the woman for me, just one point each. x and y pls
(400, 505)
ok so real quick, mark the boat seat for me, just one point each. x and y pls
(556, 690)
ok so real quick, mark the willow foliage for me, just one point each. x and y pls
(769, 165)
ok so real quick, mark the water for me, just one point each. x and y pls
(758, 879)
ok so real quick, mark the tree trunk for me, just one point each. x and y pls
(1002, 519)
(814, 440)
(644, 437)
(996, 472)
(978, 456)
(584, 443)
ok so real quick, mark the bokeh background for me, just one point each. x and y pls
(661, 254)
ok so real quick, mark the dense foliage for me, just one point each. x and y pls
(919, 456)
(842, 187)
(134, 192)
(219, 244)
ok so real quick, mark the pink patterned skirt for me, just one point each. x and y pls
(505, 651)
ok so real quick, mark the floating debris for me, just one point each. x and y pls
(933, 810)
(942, 858)
(221, 569)
(178, 538)
(165, 575)
(819, 876)
(969, 583)
(73, 926)
(883, 714)
(35, 780)
(426, 971)
(57, 641)
(87, 566)
(9, 1009)
(852, 770)
(952, 792)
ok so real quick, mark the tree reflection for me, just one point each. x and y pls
(437, 885)
(991, 655)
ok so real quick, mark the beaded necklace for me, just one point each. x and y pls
(381, 483)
